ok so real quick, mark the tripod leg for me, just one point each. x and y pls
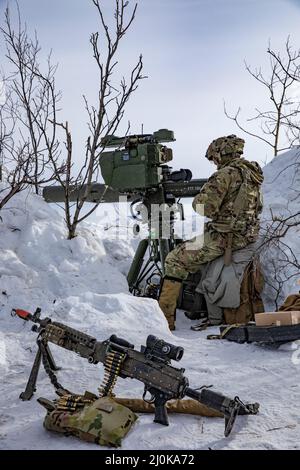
(137, 263)
(50, 358)
(31, 384)
(164, 249)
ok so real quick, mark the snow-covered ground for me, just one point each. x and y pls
(83, 283)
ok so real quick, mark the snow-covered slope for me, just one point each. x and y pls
(82, 283)
(282, 199)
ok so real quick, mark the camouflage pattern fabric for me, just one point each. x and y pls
(186, 258)
(220, 192)
(230, 145)
(234, 187)
(103, 422)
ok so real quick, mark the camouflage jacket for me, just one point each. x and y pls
(232, 198)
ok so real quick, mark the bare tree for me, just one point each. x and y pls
(279, 125)
(105, 116)
(28, 141)
(278, 257)
(31, 135)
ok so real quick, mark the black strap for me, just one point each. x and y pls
(172, 278)
(47, 367)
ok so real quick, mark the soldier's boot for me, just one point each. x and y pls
(168, 299)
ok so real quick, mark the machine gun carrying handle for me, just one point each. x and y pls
(121, 342)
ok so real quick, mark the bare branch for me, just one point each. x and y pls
(279, 126)
(104, 117)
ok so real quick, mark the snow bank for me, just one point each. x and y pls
(77, 282)
(282, 199)
(77, 279)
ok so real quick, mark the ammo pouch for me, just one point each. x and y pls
(102, 421)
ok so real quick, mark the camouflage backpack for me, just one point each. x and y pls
(100, 421)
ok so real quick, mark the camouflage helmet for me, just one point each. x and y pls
(224, 147)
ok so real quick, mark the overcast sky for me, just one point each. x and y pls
(194, 52)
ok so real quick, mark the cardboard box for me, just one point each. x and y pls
(277, 318)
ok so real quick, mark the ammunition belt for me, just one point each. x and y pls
(72, 402)
(112, 366)
(47, 367)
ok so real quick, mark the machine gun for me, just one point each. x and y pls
(136, 167)
(151, 366)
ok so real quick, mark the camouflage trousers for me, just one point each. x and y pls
(187, 257)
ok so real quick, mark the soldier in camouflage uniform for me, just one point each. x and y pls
(231, 199)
